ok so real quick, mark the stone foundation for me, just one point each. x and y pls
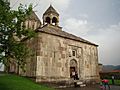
(50, 79)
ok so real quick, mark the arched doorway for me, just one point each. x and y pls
(73, 66)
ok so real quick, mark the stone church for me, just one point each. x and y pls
(58, 53)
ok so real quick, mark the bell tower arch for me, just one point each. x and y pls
(51, 16)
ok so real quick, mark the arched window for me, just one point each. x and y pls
(54, 20)
(47, 20)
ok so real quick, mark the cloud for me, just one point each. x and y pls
(61, 4)
(109, 43)
(77, 26)
(107, 38)
(83, 16)
(41, 5)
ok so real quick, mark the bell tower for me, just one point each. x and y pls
(51, 16)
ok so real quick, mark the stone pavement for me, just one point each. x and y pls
(95, 87)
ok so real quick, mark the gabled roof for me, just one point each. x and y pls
(54, 30)
(50, 10)
(33, 16)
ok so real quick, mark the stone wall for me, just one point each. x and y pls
(55, 53)
(31, 61)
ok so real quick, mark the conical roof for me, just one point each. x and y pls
(51, 10)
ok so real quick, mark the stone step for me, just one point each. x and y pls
(73, 83)
(79, 83)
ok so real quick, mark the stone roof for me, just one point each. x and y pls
(57, 31)
(51, 10)
(33, 16)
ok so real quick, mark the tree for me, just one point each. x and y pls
(12, 33)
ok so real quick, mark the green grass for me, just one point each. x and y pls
(13, 82)
(117, 82)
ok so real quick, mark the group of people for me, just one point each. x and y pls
(105, 83)
(74, 75)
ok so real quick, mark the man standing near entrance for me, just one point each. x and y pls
(73, 75)
(76, 76)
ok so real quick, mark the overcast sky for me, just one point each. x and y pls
(95, 20)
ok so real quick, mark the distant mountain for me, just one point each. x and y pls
(110, 67)
(117, 67)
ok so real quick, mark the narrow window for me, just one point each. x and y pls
(33, 26)
(74, 53)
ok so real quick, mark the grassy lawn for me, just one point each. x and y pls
(13, 82)
(117, 82)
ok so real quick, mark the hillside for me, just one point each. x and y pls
(117, 67)
(110, 67)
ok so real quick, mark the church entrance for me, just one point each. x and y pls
(73, 68)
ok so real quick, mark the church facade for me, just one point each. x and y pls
(57, 53)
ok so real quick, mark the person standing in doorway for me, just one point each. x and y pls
(73, 75)
(76, 76)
